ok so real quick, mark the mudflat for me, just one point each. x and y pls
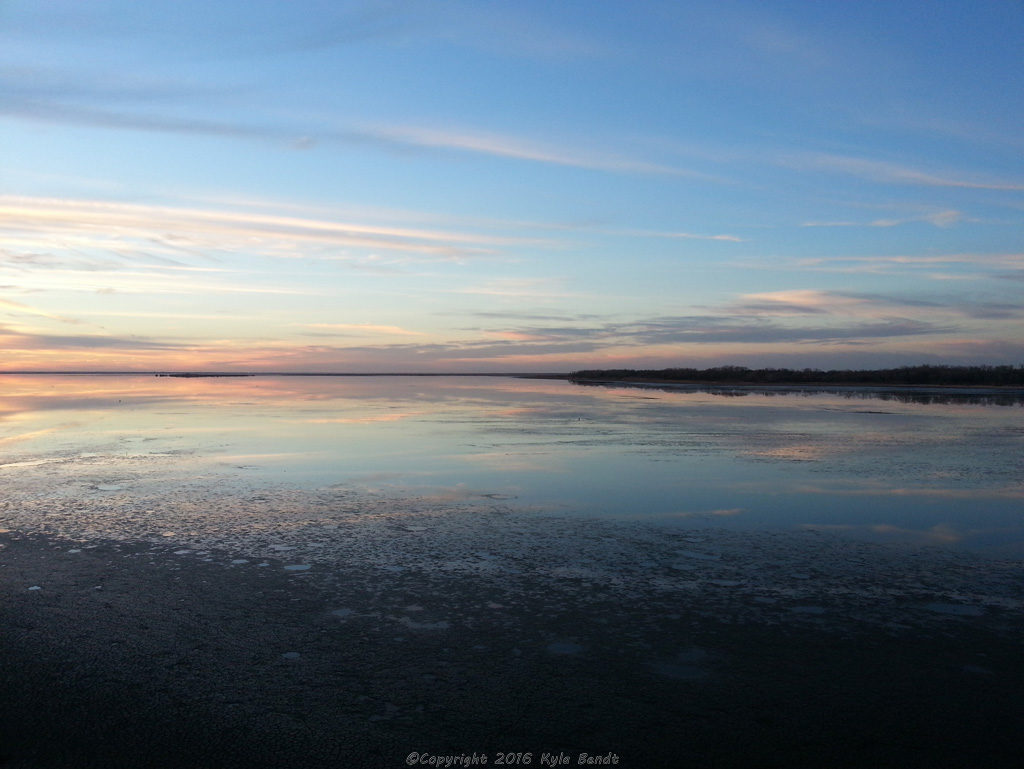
(452, 640)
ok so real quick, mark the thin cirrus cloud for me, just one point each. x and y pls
(695, 330)
(81, 103)
(517, 288)
(717, 330)
(103, 223)
(112, 281)
(817, 302)
(796, 316)
(352, 329)
(973, 265)
(771, 318)
(518, 149)
(873, 305)
(893, 173)
(71, 102)
(20, 340)
(24, 309)
(675, 235)
(941, 219)
(790, 302)
(54, 111)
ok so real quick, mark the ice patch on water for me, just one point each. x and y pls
(728, 576)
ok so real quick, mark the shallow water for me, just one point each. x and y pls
(933, 468)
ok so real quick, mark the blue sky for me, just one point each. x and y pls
(510, 186)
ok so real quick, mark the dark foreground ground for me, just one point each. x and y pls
(127, 656)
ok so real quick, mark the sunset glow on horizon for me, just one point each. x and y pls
(509, 186)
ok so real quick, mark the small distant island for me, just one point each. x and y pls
(921, 376)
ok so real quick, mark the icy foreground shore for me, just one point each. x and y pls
(272, 626)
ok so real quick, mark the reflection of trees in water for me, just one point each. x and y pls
(973, 399)
(926, 397)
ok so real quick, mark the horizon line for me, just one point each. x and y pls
(172, 372)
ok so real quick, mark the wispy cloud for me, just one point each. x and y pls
(19, 340)
(566, 343)
(518, 287)
(791, 302)
(523, 34)
(838, 303)
(122, 281)
(49, 110)
(879, 305)
(942, 219)
(675, 235)
(348, 329)
(513, 315)
(107, 225)
(702, 330)
(516, 148)
(974, 264)
(718, 330)
(55, 98)
(795, 316)
(24, 309)
(894, 173)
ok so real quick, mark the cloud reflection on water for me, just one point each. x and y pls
(763, 460)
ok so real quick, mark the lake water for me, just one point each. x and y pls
(938, 468)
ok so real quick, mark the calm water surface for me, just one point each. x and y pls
(923, 468)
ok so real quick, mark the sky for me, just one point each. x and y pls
(537, 185)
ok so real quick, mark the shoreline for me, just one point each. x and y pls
(456, 631)
(867, 387)
(571, 377)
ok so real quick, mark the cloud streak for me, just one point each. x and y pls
(19, 340)
(894, 173)
(502, 146)
(941, 219)
(42, 222)
(969, 266)
(351, 329)
(19, 308)
(39, 96)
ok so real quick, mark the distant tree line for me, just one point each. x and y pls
(964, 376)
